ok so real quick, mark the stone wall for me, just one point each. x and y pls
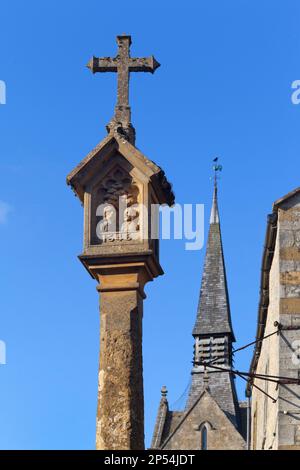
(289, 358)
(277, 426)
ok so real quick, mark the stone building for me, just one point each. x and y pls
(213, 417)
(276, 406)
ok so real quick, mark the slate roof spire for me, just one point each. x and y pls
(213, 332)
(213, 314)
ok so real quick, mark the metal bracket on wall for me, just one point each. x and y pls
(286, 328)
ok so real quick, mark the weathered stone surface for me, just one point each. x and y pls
(120, 415)
(290, 306)
(292, 253)
(296, 447)
(290, 277)
(289, 215)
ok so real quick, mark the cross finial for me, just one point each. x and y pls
(123, 64)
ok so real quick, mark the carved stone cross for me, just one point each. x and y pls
(123, 64)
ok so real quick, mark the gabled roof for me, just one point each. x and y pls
(285, 198)
(162, 414)
(83, 172)
(213, 314)
(170, 428)
(222, 389)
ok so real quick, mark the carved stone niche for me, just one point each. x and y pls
(116, 208)
(116, 202)
(118, 187)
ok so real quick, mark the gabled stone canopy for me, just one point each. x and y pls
(108, 148)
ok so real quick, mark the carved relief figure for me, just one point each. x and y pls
(106, 228)
(120, 215)
(131, 225)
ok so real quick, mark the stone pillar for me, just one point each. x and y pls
(120, 413)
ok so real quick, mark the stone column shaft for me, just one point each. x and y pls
(120, 414)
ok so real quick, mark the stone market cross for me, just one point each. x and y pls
(121, 266)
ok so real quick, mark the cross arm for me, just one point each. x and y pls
(103, 64)
(143, 64)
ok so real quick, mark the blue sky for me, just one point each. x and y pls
(224, 88)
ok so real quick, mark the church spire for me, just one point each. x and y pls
(213, 331)
(213, 314)
(212, 396)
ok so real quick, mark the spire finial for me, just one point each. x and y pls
(164, 391)
(214, 216)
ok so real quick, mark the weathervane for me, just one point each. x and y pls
(217, 169)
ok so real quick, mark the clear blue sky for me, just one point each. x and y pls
(224, 88)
